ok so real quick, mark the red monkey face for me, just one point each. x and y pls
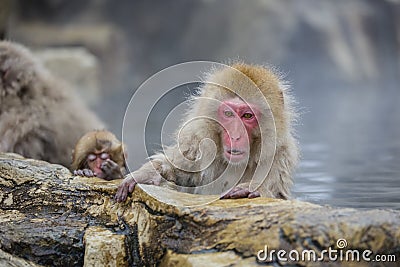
(95, 161)
(238, 120)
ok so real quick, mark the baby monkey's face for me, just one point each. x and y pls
(95, 162)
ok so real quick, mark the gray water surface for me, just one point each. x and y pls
(350, 145)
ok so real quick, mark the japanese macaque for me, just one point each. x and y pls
(236, 140)
(99, 154)
(40, 117)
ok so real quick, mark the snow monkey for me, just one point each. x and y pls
(40, 117)
(236, 139)
(99, 154)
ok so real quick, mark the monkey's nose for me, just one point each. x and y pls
(99, 162)
(235, 138)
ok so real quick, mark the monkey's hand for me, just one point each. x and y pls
(85, 172)
(111, 170)
(240, 192)
(126, 187)
(149, 173)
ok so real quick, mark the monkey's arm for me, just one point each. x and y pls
(279, 180)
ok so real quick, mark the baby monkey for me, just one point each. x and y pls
(99, 154)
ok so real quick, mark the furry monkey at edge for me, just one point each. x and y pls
(40, 117)
(246, 134)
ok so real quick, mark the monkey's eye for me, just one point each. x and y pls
(228, 113)
(247, 115)
(104, 156)
(91, 157)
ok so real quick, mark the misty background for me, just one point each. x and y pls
(342, 59)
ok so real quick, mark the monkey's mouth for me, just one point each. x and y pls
(234, 155)
(235, 152)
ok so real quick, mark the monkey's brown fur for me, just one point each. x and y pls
(40, 117)
(97, 142)
(242, 80)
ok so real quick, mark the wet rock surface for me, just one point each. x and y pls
(49, 217)
(8, 260)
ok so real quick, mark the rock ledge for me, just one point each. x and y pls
(49, 217)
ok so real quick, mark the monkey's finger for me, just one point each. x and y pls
(227, 195)
(242, 193)
(254, 194)
(131, 186)
(105, 165)
(78, 172)
(105, 168)
(109, 164)
(121, 193)
(117, 196)
(88, 173)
